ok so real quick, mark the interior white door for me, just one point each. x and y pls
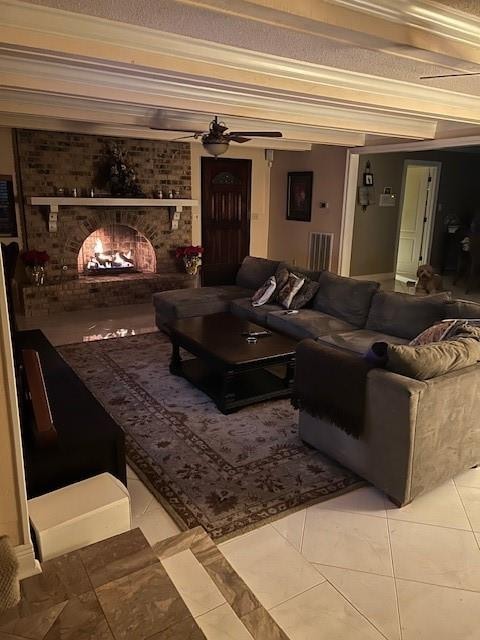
(414, 230)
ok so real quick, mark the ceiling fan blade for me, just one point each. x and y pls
(184, 137)
(451, 75)
(260, 134)
(239, 139)
(180, 130)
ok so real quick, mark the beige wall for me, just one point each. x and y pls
(259, 196)
(7, 167)
(375, 231)
(288, 239)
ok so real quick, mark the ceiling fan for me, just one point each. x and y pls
(451, 75)
(216, 141)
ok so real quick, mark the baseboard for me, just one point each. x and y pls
(28, 565)
(405, 279)
(378, 277)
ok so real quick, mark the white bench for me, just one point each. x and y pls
(79, 515)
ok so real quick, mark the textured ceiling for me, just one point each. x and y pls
(395, 62)
(468, 6)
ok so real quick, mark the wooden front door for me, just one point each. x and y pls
(225, 211)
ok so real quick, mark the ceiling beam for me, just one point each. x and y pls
(66, 36)
(51, 124)
(124, 116)
(162, 91)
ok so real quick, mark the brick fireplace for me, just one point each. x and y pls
(50, 160)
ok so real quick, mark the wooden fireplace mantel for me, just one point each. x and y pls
(53, 205)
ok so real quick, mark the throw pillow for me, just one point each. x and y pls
(264, 294)
(448, 330)
(306, 293)
(434, 359)
(281, 276)
(433, 334)
(289, 291)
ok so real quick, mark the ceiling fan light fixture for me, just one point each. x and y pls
(215, 148)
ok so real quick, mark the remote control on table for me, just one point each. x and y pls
(256, 334)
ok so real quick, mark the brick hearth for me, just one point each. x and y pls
(86, 292)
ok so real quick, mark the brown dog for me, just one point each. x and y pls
(428, 280)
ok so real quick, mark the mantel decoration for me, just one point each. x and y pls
(118, 176)
(366, 191)
(191, 257)
(35, 262)
(299, 195)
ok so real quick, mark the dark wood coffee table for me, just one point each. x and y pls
(232, 371)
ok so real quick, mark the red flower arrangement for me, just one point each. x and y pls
(34, 258)
(188, 252)
(191, 256)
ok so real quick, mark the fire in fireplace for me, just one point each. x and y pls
(116, 249)
(110, 260)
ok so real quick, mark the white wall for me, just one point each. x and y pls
(7, 167)
(260, 196)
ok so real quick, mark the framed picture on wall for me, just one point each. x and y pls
(8, 220)
(299, 195)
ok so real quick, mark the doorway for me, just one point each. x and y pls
(225, 210)
(417, 215)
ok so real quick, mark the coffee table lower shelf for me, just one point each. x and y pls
(232, 390)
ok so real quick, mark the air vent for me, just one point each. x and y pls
(320, 251)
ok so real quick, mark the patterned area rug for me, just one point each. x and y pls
(224, 473)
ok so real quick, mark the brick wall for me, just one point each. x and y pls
(48, 160)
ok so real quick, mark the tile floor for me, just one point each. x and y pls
(354, 567)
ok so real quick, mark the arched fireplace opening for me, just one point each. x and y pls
(115, 249)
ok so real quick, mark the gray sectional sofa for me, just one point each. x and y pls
(417, 434)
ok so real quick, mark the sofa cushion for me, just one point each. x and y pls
(405, 315)
(243, 308)
(345, 298)
(187, 303)
(307, 323)
(462, 309)
(255, 271)
(360, 340)
(435, 359)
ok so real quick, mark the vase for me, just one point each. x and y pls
(9, 584)
(37, 275)
(191, 267)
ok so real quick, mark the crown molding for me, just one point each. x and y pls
(161, 90)
(69, 37)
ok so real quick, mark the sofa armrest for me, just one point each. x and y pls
(447, 433)
(215, 275)
(392, 406)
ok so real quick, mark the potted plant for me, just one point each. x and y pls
(35, 262)
(191, 257)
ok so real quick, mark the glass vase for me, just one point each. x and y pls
(37, 275)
